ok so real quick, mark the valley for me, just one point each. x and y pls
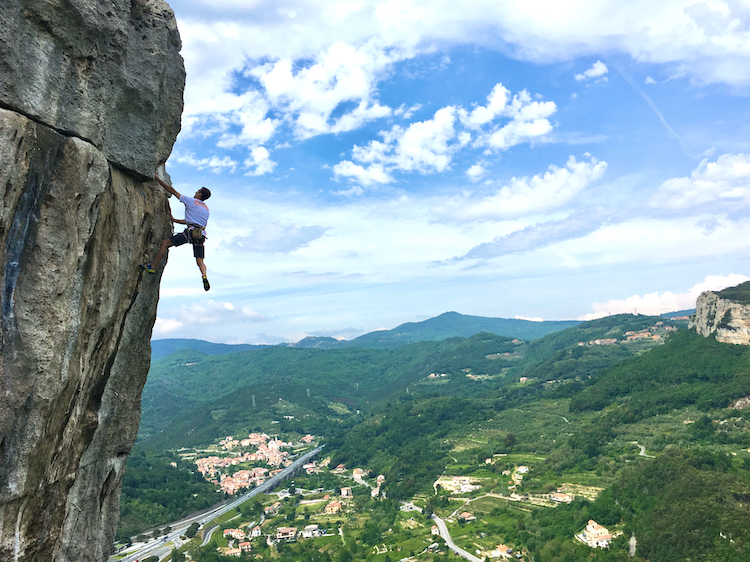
(517, 445)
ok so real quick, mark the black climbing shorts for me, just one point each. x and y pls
(184, 237)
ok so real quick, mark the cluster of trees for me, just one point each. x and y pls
(687, 504)
(739, 293)
(687, 370)
(406, 442)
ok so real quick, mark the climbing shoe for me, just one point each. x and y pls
(147, 269)
(206, 284)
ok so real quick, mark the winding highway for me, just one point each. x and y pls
(164, 545)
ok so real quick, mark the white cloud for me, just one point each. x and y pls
(342, 74)
(354, 190)
(424, 147)
(650, 80)
(539, 235)
(407, 113)
(599, 69)
(373, 174)
(709, 40)
(275, 237)
(528, 119)
(725, 182)
(476, 172)
(333, 54)
(214, 163)
(481, 115)
(261, 161)
(428, 146)
(524, 196)
(655, 303)
(529, 318)
(215, 312)
(162, 326)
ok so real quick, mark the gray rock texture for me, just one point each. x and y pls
(729, 321)
(90, 97)
(107, 71)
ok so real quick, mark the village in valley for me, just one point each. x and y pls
(330, 508)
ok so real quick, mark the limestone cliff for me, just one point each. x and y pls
(725, 314)
(91, 92)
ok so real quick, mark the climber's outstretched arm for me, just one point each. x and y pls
(168, 187)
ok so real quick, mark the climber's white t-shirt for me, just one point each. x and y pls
(196, 211)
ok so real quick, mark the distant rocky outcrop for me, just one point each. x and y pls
(90, 98)
(724, 314)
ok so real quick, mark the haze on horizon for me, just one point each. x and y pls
(379, 162)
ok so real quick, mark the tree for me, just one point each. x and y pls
(192, 530)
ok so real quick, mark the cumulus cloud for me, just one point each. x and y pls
(650, 80)
(340, 75)
(236, 119)
(530, 319)
(497, 101)
(597, 71)
(528, 121)
(725, 182)
(367, 176)
(214, 163)
(426, 146)
(274, 237)
(659, 303)
(162, 326)
(248, 101)
(524, 196)
(259, 162)
(214, 312)
(429, 146)
(476, 172)
(208, 312)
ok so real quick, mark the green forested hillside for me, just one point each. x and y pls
(688, 370)
(162, 348)
(214, 392)
(453, 324)
(447, 325)
(740, 293)
(311, 378)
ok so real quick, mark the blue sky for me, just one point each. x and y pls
(380, 162)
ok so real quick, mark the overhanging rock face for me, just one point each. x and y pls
(76, 220)
(107, 71)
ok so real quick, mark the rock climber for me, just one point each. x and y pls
(196, 219)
